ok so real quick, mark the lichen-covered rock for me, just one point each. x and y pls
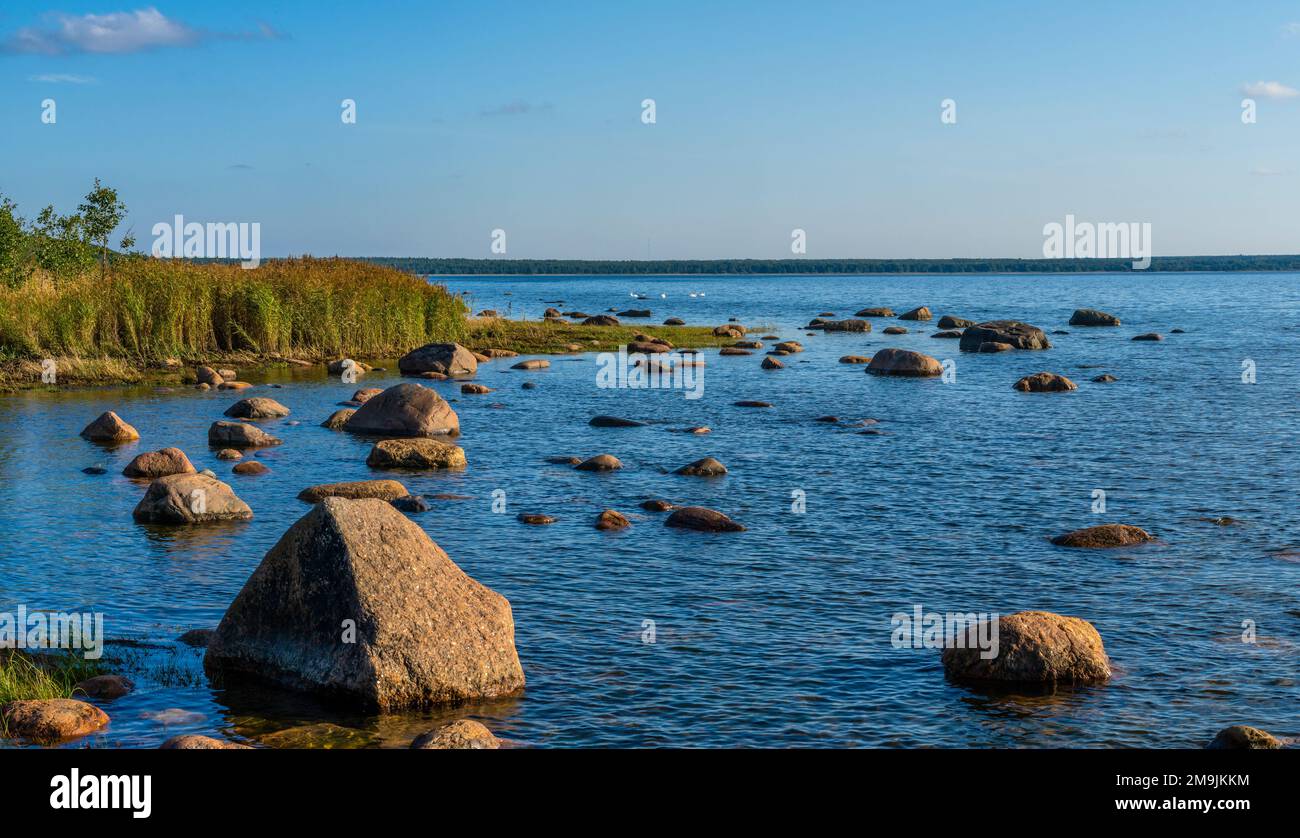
(381, 489)
(50, 720)
(355, 602)
(1244, 738)
(1034, 647)
(416, 453)
(1104, 536)
(463, 734)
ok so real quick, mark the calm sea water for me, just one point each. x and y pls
(778, 636)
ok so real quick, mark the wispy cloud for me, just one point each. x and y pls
(1269, 90)
(518, 107)
(1292, 30)
(116, 33)
(63, 78)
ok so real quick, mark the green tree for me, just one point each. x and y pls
(100, 214)
(13, 245)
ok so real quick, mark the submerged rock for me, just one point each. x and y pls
(614, 422)
(444, 358)
(109, 427)
(239, 435)
(1035, 647)
(413, 504)
(535, 518)
(1104, 536)
(105, 686)
(1149, 336)
(875, 312)
(702, 519)
(752, 403)
(425, 633)
(250, 467)
(355, 490)
(50, 720)
(190, 499)
(1044, 382)
(656, 505)
(1012, 332)
(405, 410)
(904, 362)
(195, 742)
(155, 464)
(198, 638)
(473, 389)
(462, 734)
(257, 408)
(1104, 378)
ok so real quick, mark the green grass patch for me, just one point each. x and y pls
(42, 676)
(548, 337)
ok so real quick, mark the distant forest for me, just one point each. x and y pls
(568, 267)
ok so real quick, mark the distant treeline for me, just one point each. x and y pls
(566, 267)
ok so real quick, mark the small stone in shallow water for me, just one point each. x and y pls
(198, 638)
(195, 742)
(1104, 536)
(600, 462)
(105, 686)
(250, 467)
(535, 518)
(1243, 738)
(704, 467)
(611, 519)
(463, 734)
(702, 519)
(656, 505)
(94, 470)
(411, 503)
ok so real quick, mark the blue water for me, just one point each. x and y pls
(779, 635)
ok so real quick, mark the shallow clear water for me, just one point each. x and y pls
(779, 635)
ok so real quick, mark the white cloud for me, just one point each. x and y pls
(117, 32)
(1269, 90)
(1291, 29)
(63, 78)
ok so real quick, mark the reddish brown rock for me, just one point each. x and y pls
(110, 427)
(153, 464)
(463, 734)
(1044, 382)
(1035, 647)
(1104, 536)
(905, 363)
(50, 720)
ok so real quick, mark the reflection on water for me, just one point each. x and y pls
(779, 635)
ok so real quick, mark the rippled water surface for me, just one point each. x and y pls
(779, 635)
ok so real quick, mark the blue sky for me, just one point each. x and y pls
(525, 116)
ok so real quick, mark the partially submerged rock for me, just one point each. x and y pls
(50, 720)
(875, 312)
(600, 462)
(463, 734)
(772, 364)
(257, 408)
(190, 499)
(195, 742)
(475, 389)
(950, 322)
(611, 519)
(1035, 647)
(422, 632)
(416, 453)
(535, 518)
(704, 467)
(532, 364)
(105, 687)
(850, 325)
(338, 419)
(920, 313)
(905, 363)
(239, 435)
(603, 421)
(702, 519)
(1244, 738)
(250, 467)
(1011, 332)
(855, 359)
(1044, 382)
(154, 464)
(1092, 317)
(1149, 336)
(355, 490)
(1104, 536)
(405, 410)
(445, 358)
(109, 427)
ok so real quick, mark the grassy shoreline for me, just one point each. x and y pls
(527, 337)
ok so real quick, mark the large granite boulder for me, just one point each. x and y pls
(1034, 647)
(190, 499)
(1011, 332)
(446, 358)
(356, 603)
(405, 410)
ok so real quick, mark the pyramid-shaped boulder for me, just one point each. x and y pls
(356, 603)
